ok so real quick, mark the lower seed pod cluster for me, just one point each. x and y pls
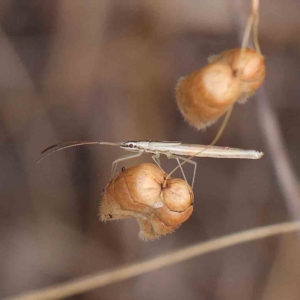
(160, 206)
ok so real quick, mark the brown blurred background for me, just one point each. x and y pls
(106, 70)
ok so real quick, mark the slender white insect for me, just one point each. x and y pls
(171, 149)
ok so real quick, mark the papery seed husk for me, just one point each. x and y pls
(123, 195)
(144, 183)
(177, 195)
(171, 218)
(207, 93)
(153, 228)
(140, 192)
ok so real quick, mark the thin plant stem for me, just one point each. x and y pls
(272, 133)
(91, 282)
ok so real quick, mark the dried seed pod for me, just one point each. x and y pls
(160, 206)
(232, 76)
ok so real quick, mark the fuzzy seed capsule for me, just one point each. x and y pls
(206, 94)
(141, 192)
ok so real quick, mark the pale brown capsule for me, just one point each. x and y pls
(232, 76)
(160, 206)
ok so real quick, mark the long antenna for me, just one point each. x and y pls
(65, 145)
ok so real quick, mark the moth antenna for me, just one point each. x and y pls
(59, 147)
(62, 145)
(50, 147)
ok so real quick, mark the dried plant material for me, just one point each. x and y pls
(206, 94)
(160, 206)
(233, 76)
(88, 283)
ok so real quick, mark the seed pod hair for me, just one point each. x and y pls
(141, 192)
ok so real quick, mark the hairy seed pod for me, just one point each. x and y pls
(160, 206)
(232, 76)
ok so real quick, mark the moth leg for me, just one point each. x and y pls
(126, 156)
(177, 157)
(156, 157)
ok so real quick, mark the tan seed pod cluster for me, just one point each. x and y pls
(160, 206)
(232, 76)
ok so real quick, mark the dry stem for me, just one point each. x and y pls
(91, 282)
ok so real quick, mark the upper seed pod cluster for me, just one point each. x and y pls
(232, 76)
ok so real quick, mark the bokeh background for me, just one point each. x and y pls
(106, 70)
